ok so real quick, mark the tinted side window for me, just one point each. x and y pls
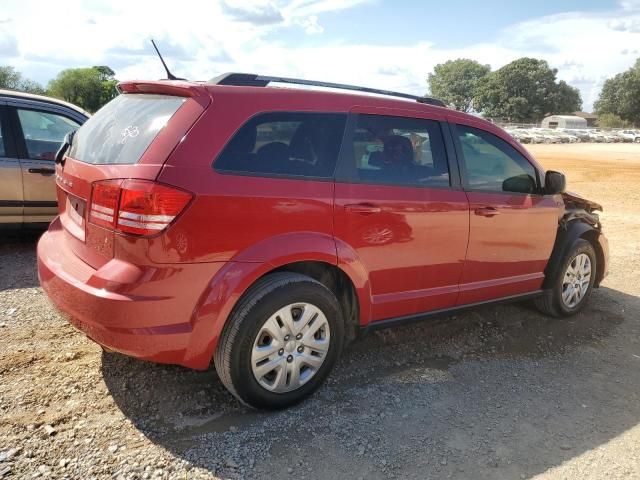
(492, 164)
(43, 132)
(301, 144)
(396, 150)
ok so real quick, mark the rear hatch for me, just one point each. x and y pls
(113, 162)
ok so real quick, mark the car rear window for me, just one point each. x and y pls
(121, 131)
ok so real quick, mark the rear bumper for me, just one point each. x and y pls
(114, 306)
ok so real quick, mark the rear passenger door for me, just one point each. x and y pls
(40, 131)
(10, 174)
(512, 225)
(273, 188)
(399, 207)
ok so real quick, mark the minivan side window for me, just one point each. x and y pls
(395, 151)
(489, 163)
(285, 143)
(43, 132)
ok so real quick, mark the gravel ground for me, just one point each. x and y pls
(498, 393)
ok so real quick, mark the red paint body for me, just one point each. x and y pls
(166, 298)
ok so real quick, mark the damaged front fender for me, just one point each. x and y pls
(579, 208)
(578, 220)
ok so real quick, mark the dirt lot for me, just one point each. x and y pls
(499, 393)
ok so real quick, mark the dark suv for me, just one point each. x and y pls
(263, 227)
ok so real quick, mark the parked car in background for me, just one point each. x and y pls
(610, 137)
(548, 135)
(582, 135)
(32, 128)
(309, 216)
(630, 135)
(596, 136)
(521, 135)
(566, 137)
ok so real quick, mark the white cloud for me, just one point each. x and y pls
(311, 25)
(204, 38)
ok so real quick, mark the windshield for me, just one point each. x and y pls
(121, 131)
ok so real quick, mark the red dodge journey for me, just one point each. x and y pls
(263, 227)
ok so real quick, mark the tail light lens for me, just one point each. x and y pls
(104, 203)
(138, 207)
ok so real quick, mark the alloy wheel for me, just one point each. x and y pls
(575, 283)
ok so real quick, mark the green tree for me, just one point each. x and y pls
(107, 77)
(566, 99)
(455, 82)
(90, 88)
(525, 90)
(11, 79)
(620, 95)
(611, 120)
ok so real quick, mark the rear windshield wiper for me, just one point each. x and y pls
(66, 144)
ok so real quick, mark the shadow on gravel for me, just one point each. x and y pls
(500, 392)
(18, 259)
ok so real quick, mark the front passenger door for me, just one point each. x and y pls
(512, 225)
(400, 210)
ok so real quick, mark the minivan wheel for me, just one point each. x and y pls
(281, 341)
(573, 284)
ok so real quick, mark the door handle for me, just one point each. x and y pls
(363, 208)
(42, 171)
(487, 211)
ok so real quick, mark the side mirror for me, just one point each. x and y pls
(554, 182)
(519, 184)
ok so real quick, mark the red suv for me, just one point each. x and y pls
(263, 227)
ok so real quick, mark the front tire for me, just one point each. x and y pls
(280, 342)
(573, 284)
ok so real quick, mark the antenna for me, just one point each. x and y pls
(170, 76)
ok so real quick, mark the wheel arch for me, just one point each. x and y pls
(565, 239)
(231, 282)
(338, 282)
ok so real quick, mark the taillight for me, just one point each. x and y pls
(104, 203)
(147, 208)
(138, 207)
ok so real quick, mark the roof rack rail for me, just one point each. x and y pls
(252, 80)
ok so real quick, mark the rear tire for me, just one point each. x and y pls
(296, 324)
(573, 284)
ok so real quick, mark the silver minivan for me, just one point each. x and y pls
(32, 128)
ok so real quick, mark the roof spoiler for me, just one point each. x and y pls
(252, 80)
(163, 87)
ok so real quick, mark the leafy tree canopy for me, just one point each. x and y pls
(89, 88)
(611, 120)
(11, 79)
(525, 90)
(620, 96)
(455, 82)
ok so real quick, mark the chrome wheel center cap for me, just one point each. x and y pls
(290, 346)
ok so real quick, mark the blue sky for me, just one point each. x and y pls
(377, 43)
(461, 23)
